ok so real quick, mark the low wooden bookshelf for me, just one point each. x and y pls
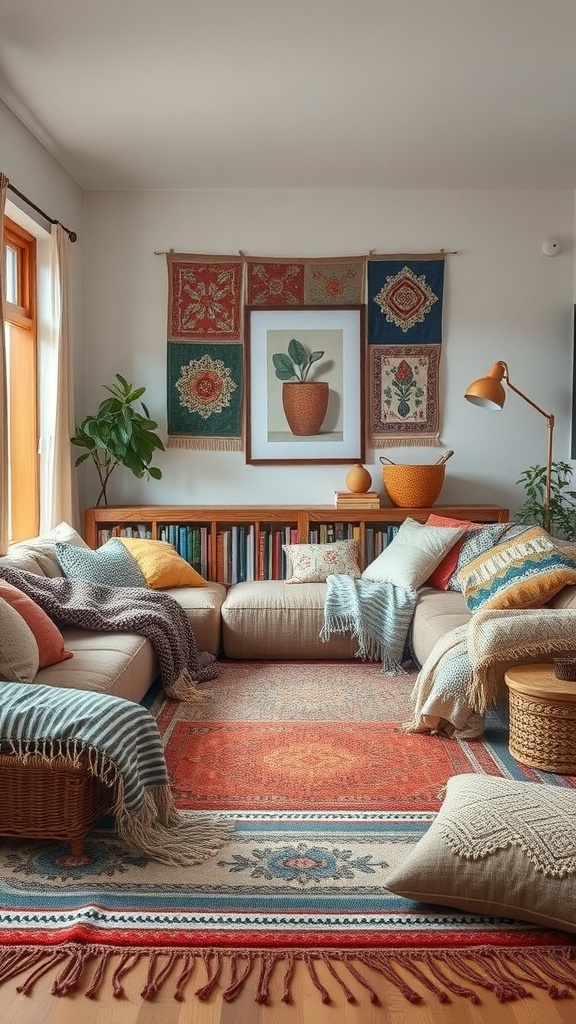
(230, 543)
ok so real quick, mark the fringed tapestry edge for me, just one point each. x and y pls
(377, 441)
(207, 444)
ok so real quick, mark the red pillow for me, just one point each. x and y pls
(46, 633)
(444, 570)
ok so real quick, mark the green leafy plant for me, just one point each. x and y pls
(560, 517)
(297, 363)
(119, 435)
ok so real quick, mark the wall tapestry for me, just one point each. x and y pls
(205, 351)
(330, 281)
(405, 294)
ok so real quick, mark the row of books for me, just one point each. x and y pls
(375, 540)
(240, 556)
(141, 530)
(239, 559)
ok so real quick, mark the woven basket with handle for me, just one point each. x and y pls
(413, 486)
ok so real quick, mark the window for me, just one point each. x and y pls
(21, 376)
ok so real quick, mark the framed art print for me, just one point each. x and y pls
(305, 384)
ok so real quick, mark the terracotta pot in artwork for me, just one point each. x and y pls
(305, 405)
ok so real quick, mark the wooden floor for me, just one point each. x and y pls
(43, 1008)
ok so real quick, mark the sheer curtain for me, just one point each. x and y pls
(58, 496)
(4, 507)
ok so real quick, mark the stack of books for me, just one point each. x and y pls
(351, 499)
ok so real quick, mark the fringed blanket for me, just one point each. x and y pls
(150, 613)
(377, 615)
(464, 673)
(124, 750)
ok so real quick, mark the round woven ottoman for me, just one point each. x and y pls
(542, 718)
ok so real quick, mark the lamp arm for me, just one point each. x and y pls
(550, 421)
(513, 387)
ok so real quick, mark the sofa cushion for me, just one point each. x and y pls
(19, 657)
(412, 556)
(123, 664)
(435, 614)
(161, 565)
(498, 847)
(524, 572)
(269, 620)
(48, 637)
(203, 606)
(112, 564)
(312, 563)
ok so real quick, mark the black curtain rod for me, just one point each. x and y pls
(71, 234)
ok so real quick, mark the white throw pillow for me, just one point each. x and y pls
(413, 555)
(43, 548)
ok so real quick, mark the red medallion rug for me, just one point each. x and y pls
(328, 795)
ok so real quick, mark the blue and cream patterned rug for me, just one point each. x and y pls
(296, 882)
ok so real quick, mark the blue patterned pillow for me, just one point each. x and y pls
(525, 572)
(476, 543)
(112, 564)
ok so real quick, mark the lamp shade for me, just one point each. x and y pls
(488, 392)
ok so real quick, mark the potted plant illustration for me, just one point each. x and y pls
(304, 401)
(119, 435)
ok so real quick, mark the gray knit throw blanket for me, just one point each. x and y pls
(152, 614)
(378, 616)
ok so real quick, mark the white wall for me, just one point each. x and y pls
(503, 300)
(35, 173)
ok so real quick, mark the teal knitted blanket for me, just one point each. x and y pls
(377, 615)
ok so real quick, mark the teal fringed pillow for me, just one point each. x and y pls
(112, 564)
(523, 572)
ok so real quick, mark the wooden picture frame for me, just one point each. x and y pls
(338, 333)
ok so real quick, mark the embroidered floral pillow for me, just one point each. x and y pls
(312, 563)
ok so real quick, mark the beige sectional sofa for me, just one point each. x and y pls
(266, 620)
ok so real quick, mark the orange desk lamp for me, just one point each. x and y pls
(488, 392)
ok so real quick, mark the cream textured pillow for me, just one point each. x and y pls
(19, 656)
(413, 555)
(312, 563)
(498, 847)
(43, 548)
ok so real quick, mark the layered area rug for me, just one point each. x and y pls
(327, 795)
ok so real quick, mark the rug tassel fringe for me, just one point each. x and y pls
(510, 974)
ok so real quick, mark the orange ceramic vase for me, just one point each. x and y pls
(358, 480)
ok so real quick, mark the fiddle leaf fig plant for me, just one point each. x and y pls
(560, 517)
(119, 435)
(297, 363)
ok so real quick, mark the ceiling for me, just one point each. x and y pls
(294, 94)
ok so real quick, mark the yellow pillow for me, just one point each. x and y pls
(161, 565)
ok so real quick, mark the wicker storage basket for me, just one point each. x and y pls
(413, 486)
(543, 733)
(50, 800)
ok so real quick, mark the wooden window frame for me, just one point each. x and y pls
(22, 385)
